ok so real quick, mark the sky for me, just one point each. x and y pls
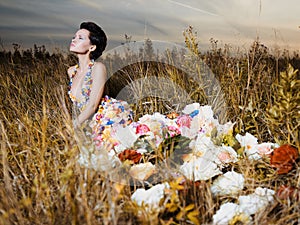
(235, 22)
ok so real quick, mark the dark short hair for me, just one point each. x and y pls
(97, 37)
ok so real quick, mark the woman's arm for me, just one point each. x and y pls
(99, 79)
(70, 71)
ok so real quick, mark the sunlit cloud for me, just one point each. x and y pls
(231, 21)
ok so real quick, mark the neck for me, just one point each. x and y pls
(83, 61)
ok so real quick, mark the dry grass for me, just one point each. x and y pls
(41, 183)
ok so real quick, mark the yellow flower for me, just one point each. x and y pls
(240, 218)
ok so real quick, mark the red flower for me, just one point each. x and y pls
(283, 158)
(142, 129)
(130, 154)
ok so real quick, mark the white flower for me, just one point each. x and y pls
(160, 117)
(205, 112)
(252, 149)
(114, 159)
(199, 168)
(125, 135)
(206, 116)
(191, 107)
(142, 171)
(265, 193)
(226, 128)
(202, 144)
(226, 154)
(154, 120)
(119, 148)
(170, 122)
(226, 213)
(189, 132)
(221, 155)
(265, 148)
(202, 120)
(96, 158)
(141, 150)
(256, 201)
(229, 183)
(201, 163)
(248, 205)
(150, 198)
(249, 142)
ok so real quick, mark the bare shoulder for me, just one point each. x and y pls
(99, 66)
(99, 69)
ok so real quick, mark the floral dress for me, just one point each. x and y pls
(111, 112)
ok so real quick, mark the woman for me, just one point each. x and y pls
(87, 82)
(87, 78)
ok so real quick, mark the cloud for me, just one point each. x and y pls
(193, 8)
(58, 20)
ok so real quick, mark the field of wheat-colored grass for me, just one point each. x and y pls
(42, 183)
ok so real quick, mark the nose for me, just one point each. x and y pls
(73, 42)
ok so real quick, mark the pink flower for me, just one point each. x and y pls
(184, 121)
(264, 148)
(98, 140)
(98, 116)
(173, 131)
(142, 129)
(224, 157)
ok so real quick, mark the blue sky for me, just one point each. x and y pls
(235, 22)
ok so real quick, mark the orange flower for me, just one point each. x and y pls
(283, 158)
(130, 154)
(172, 115)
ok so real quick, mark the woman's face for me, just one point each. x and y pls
(80, 42)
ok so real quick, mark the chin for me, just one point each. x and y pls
(72, 50)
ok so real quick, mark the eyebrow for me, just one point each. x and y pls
(81, 35)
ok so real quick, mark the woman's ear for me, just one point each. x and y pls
(92, 48)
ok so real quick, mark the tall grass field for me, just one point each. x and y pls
(41, 181)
